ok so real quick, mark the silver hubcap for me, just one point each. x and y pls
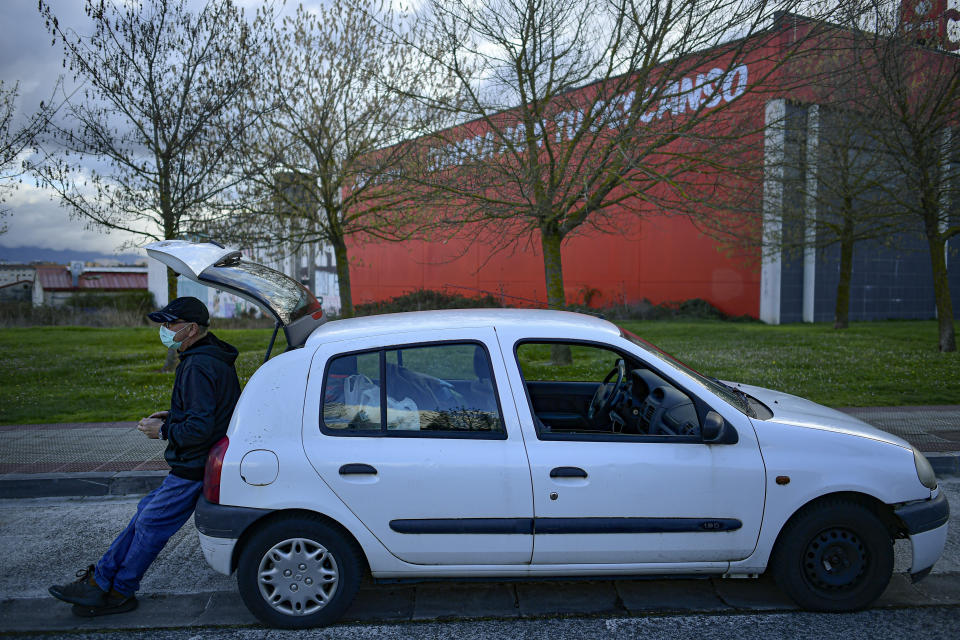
(298, 577)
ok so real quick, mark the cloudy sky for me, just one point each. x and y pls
(27, 57)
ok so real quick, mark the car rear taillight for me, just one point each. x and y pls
(211, 474)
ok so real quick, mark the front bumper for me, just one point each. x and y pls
(926, 524)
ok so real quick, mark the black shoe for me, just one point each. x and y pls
(84, 591)
(114, 603)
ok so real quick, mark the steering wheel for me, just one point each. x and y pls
(607, 394)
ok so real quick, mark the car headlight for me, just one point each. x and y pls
(924, 471)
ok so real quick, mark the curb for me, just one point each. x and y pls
(944, 464)
(88, 483)
(458, 601)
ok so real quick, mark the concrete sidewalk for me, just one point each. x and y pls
(113, 458)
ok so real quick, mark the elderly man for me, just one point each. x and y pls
(205, 391)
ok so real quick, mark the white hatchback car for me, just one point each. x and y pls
(529, 443)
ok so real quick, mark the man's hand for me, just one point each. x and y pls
(150, 427)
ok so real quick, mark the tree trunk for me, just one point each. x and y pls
(556, 298)
(841, 314)
(941, 287)
(169, 233)
(170, 362)
(343, 278)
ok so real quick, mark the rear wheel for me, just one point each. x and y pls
(834, 556)
(298, 573)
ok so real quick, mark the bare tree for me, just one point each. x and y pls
(146, 145)
(847, 195)
(833, 178)
(579, 111)
(320, 162)
(15, 139)
(912, 87)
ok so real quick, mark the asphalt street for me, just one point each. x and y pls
(43, 541)
(931, 623)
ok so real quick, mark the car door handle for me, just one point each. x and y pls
(357, 469)
(568, 472)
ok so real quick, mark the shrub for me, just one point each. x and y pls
(425, 300)
(694, 309)
(137, 301)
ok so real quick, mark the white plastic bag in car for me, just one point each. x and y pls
(362, 399)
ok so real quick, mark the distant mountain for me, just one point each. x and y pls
(26, 255)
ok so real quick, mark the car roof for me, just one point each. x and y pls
(539, 319)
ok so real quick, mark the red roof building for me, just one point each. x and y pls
(55, 284)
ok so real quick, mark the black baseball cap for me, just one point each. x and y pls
(186, 308)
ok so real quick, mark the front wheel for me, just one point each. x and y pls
(834, 556)
(298, 573)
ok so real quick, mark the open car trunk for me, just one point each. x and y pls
(290, 303)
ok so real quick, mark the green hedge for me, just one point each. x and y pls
(138, 301)
(424, 300)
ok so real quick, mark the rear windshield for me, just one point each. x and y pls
(287, 298)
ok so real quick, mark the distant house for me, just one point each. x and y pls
(55, 285)
(16, 282)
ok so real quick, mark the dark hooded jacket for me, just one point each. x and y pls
(205, 391)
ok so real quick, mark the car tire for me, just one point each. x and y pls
(297, 573)
(834, 556)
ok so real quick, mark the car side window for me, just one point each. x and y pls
(351, 398)
(588, 391)
(442, 390)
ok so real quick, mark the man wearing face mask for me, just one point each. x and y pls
(205, 391)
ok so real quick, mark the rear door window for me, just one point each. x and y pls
(441, 390)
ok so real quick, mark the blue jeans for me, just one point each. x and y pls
(159, 515)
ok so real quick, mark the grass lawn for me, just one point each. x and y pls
(79, 374)
(83, 374)
(870, 364)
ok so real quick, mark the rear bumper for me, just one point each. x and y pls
(218, 552)
(220, 528)
(223, 520)
(926, 524)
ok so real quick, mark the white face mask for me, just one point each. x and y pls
(166, 337)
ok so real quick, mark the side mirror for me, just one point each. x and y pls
(714, 429)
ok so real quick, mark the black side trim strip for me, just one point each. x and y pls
(634, 525)
(542, 526)
(224, 521)
(464, 525)
(925, 516)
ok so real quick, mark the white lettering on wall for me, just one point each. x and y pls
(688, 95)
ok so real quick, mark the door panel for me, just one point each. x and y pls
(646, 502)
(641, 500)
(430, 499)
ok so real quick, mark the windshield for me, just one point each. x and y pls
(285, 297)
(712, 384)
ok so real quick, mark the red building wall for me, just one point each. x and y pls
(660, 258)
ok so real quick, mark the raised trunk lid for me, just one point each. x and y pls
(293, 306)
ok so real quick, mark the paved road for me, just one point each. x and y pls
(42, 541)
(932, 623)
